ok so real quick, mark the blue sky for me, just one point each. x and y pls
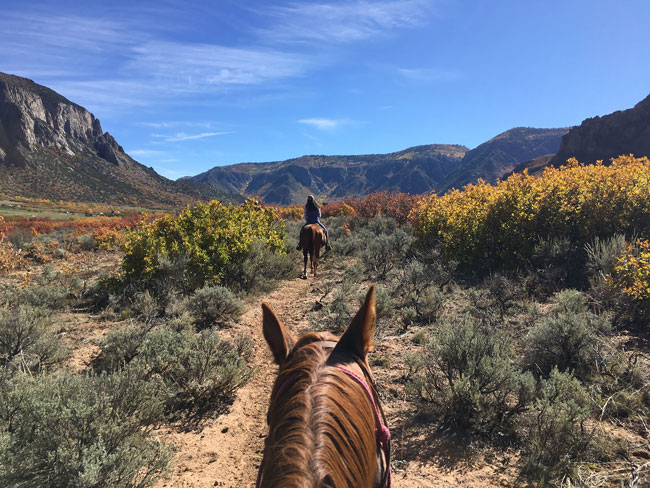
(185, 86)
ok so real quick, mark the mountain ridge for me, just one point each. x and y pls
(338, 177)
(415, 170)
(499, 155)
(53, 148)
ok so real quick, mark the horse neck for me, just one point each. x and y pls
(318, 435)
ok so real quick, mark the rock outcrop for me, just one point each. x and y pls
(609, 136)
(32, 115)
(53, 148)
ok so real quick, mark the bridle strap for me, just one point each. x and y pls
(381, 429)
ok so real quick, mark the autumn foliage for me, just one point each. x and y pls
(631, 275)
(389, 204)
(209, 237)
(491, 226)
(43, 225)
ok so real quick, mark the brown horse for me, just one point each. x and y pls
(312, 238)
(326, 427)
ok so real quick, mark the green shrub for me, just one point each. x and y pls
(382, 252)
(145, 306)
(466, 375)
(170, 277)
(420, 337)
(215, 305)
(26, 341)
(20, 238)
(505, 293)
(259, 270)
(210, 238)
(82, 431)
(380, 225)
(36, 295)
(199, 372)
(415, 288)
(336, 314)
(195, 372)
(567, 338)
(120, 347)
(556, 263)
(556, 433)
(87, 243)
(602, 255)
(385, 304)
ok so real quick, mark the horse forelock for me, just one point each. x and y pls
(321, 426)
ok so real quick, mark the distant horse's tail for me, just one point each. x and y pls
(307, 239)
(311, 241)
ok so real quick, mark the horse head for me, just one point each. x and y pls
(326, 426)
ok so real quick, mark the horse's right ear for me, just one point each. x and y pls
(277, 335)
(357, 339)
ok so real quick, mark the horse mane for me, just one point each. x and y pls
(322, 420)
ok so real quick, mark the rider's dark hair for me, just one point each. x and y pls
(311, 203)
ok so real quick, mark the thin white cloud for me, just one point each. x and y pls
(205, 67)
(324, 124)
(174, 123)
(312, 138)
(182, 136)
(107, 64)
(146, 153)
(89, 34)
(345, 21)
(425, 75)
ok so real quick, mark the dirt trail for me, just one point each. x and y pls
(226, 451)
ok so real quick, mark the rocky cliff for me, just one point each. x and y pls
(53, 148)
(32, 115)
(602, 138)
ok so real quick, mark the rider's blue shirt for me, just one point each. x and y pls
(312, 216)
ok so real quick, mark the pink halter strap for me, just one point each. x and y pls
(381, 430)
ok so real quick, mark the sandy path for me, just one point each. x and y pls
(227, 451)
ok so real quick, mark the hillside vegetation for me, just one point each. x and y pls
(494, 227)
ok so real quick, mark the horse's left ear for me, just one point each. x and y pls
(277, 336)
(357, 339)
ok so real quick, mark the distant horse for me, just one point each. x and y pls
(326, 426)
(312, 238)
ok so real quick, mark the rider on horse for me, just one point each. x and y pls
(312, 216)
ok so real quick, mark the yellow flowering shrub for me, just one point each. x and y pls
(209, 236)
(292, 212)
(345, 210)
(489, 226)
(631, 275)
